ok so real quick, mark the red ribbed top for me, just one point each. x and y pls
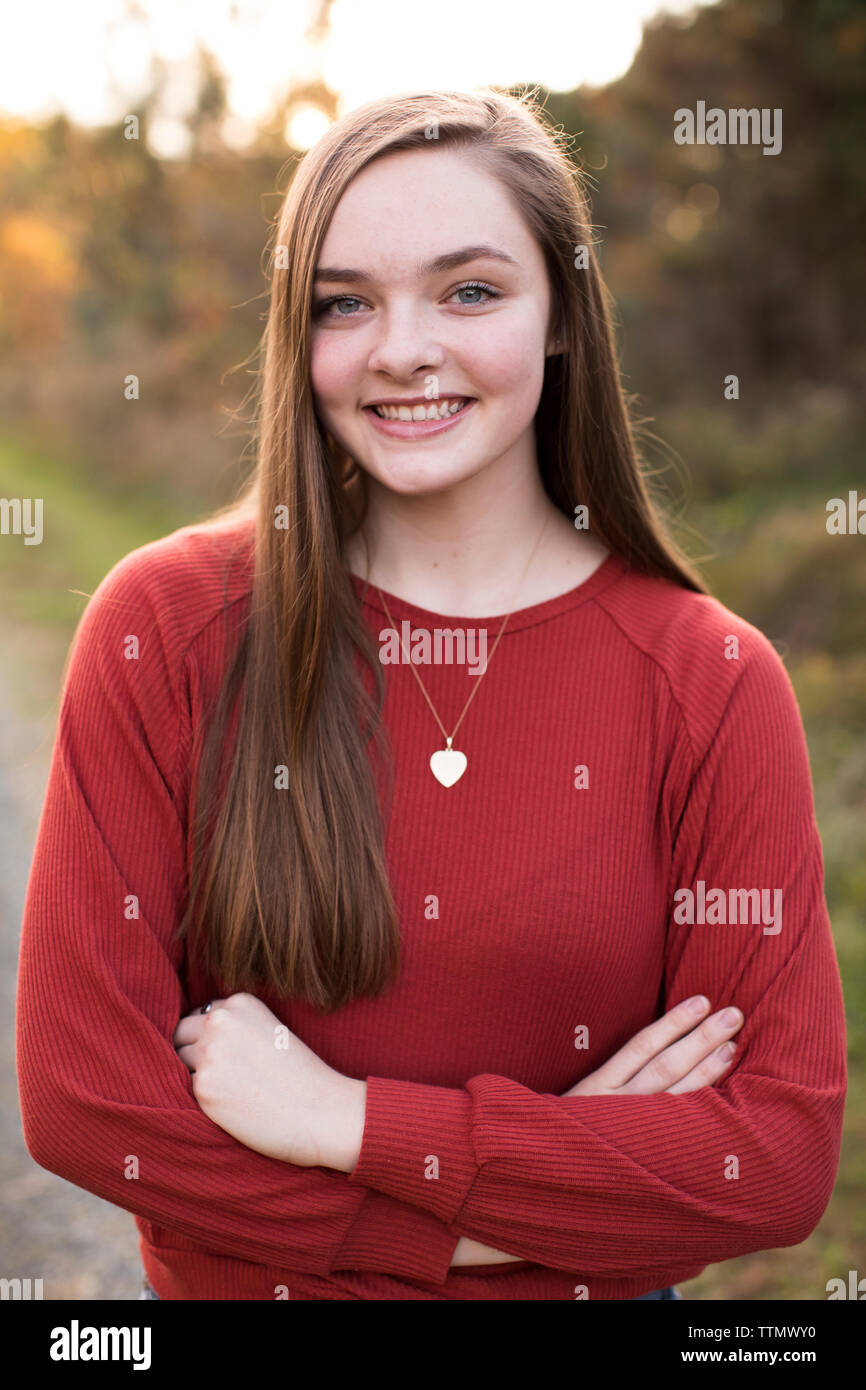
(534, 902)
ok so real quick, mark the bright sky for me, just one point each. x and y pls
(93, 60)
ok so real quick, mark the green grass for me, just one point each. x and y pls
(85, 532)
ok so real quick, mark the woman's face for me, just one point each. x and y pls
(400, 327)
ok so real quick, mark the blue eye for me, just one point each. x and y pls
(325, 304)
(477, 285)
(322, 309)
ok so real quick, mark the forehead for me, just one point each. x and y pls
(405, 208)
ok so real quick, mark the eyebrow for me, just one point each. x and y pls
(449, 261)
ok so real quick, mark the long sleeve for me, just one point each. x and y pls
(106, 1102)
(644, 1185)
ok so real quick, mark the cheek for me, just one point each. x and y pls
(333, 367)
(507, 364)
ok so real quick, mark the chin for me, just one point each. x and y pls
(416, 480)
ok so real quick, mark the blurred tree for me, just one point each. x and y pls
(726, 259)
(37, 284)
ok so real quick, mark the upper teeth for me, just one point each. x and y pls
(437, 410)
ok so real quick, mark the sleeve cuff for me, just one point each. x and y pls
(417, 1145)
(389, 1237)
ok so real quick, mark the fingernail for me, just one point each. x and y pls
(699, 1003)
(730, 1017)
(727, 1052)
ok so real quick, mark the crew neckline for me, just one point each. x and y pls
(611, 567)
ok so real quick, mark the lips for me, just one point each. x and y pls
(432, 409)
(419, 429)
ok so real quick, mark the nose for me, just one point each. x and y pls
(405, 343)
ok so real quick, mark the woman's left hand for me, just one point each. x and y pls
(254, 1078)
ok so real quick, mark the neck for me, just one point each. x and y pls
(465, 549)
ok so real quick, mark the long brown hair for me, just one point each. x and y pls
(292, 882)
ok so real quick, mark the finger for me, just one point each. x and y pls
(189, 1030)
(187, 1055)
(190, 1027)
(707, 1072)
(676, 1061)
(628, 1061)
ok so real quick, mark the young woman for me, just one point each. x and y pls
(420, 833)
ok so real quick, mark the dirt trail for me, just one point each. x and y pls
(80, 1246)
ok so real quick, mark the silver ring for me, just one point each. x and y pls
(205, 1008)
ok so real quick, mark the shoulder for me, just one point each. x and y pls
(710, 659)
(126, 683)
(171, 589)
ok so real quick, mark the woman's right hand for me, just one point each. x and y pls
(676, 1053)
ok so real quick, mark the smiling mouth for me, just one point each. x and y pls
(436, 410)
(441, 417)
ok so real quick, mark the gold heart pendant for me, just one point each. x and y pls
(448, 766)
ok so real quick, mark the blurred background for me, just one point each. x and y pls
(145, 255)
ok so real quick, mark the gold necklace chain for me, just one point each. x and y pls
(450, 763)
